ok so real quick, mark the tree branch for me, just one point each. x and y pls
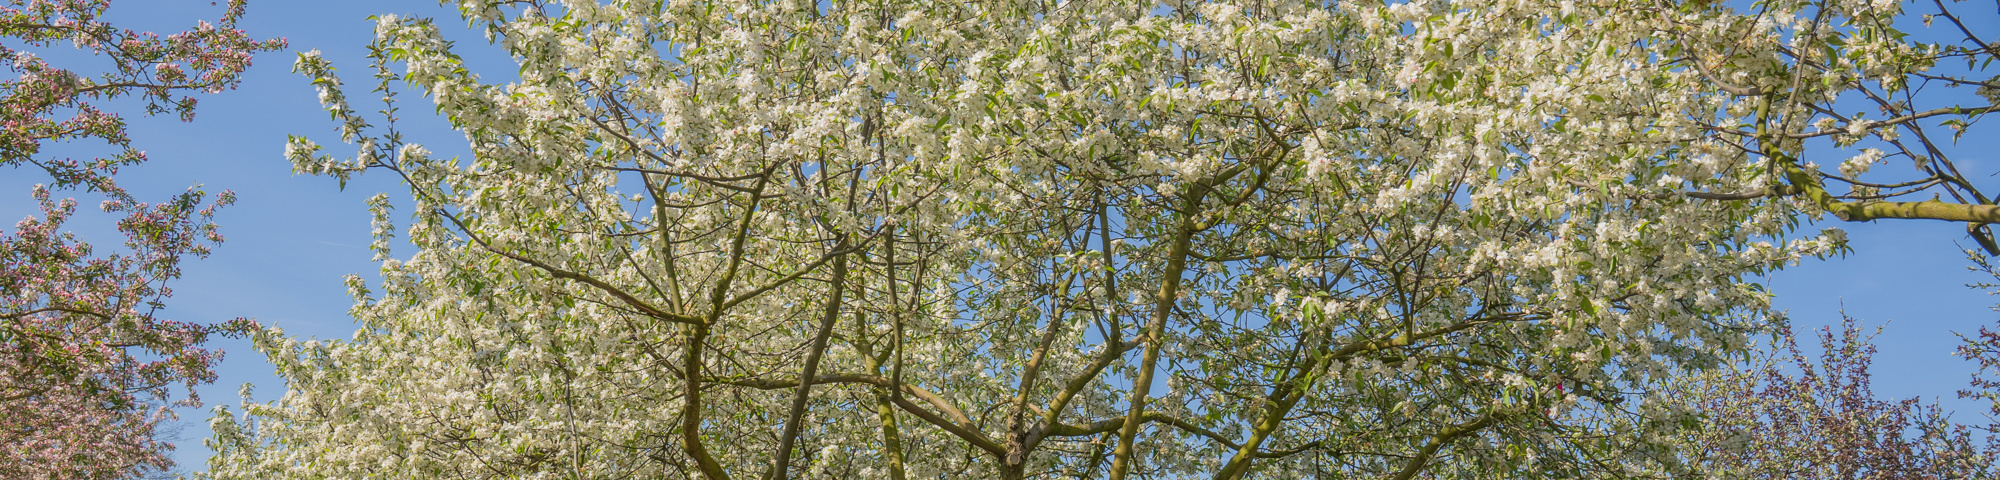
(554, 271)
(1438, 442)
(957, 423)
(780, 465)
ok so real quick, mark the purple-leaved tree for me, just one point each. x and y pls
(1788, 416)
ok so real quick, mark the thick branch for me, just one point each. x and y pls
(1019, 442)
(1775, 191)
(1156, 330)
(1806, 184)
(780, 465)
(614, 291)
(691, 414)
(1926, 210)
(796, 274)
(1051, 416)
(958, 424)
(1438, 442)
(1116, 423)
(1717, 80)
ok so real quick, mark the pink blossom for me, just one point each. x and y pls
(78, 403)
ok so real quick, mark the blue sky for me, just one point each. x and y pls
(292, 238)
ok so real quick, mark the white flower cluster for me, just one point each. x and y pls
(1323, 235)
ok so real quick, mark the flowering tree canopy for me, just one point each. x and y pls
(76, 403)
(894, 239)
(1802, 67)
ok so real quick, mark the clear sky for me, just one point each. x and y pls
(292, 238)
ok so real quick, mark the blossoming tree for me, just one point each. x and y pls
(1119, 239)
(74, 401)
(1801, 67)
(1787, 416)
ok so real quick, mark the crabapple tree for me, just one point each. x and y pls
(77, 403)
(1120, 239)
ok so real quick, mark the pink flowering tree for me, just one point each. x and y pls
(86, 366)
